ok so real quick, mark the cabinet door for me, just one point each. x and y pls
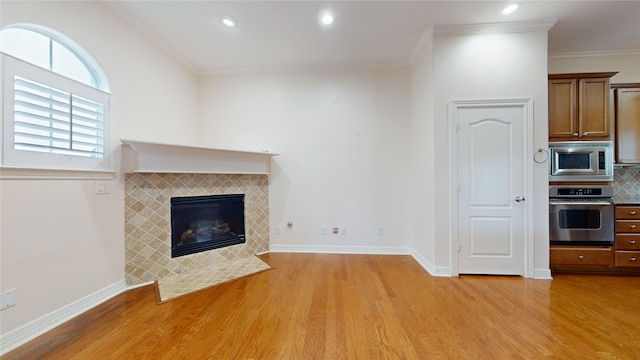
(562, 108)
(627, 125)
(593, 113)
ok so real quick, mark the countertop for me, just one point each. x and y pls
(627, 200)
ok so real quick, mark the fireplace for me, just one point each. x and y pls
(201, 223)
(155, 173)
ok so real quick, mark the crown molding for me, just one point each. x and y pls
(426, 35)
(585, 54)
(494, 28)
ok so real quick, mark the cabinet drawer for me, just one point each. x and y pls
(628, 212)
(628, 258)
(600, 256)
(628, 242)
(627, 226)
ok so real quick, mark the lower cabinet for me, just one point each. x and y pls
(627, 258)
(627, 236)
(577, 256)
(623, 257)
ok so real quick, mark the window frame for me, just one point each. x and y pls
(12, 157)
(29, 164)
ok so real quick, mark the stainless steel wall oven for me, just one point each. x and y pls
(581, 215)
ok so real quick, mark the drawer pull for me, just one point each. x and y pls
(580, 257)
(633, 258)
(633, 212)
(632, 242)
(633, 226)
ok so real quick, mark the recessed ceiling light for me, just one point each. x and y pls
(229, 21)
(510, 9)
(327, 19)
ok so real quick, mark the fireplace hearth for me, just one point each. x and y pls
(202, 223)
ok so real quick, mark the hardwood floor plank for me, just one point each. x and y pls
(329, 306)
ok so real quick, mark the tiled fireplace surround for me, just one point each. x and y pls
(148, 221)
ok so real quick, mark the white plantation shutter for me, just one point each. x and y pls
(57, 122)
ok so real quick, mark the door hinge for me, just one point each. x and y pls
(459, 247)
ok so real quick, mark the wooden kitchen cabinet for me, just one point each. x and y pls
(622, 258)
(571, 255)
(627, 123)
(627, 244)
(579, 106)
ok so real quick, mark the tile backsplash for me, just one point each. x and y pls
(626, 182)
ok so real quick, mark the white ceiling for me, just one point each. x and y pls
(279, 35)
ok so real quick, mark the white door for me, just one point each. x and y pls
(491, 139)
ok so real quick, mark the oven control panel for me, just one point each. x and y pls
(597, 191)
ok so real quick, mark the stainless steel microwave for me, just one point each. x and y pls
(571, 161)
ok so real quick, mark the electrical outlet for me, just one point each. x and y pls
(7, 299)
(344, 230)
(278, 229)
(380, 230)
(102, 187)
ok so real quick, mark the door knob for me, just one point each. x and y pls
(519, 198)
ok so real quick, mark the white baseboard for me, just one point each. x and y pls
(374, 250)
(431, 269)
(542, 274)
(338, 249)
(30, 331)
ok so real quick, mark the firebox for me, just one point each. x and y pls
(201, 223)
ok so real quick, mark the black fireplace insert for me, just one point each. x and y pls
(201, 223)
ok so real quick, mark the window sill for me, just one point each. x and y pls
(23, 173)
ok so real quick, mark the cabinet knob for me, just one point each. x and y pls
(633, 226)
(633, 212)
(575, 134)
(584, 133)
(633, 258)
(580, 257)
(632, 242)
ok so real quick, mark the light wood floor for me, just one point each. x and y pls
(324, 306)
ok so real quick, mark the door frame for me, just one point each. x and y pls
(526, 104)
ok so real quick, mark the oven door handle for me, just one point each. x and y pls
(590, 202)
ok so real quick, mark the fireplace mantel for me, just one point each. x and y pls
(150, 157)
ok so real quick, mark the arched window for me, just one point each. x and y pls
(55, 102)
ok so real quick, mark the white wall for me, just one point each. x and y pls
(60, 241)
(476, 67)
(343, 137)
(423, 152)
(626, 63)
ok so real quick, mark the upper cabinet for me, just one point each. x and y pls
(627, 122)
(579, 106)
